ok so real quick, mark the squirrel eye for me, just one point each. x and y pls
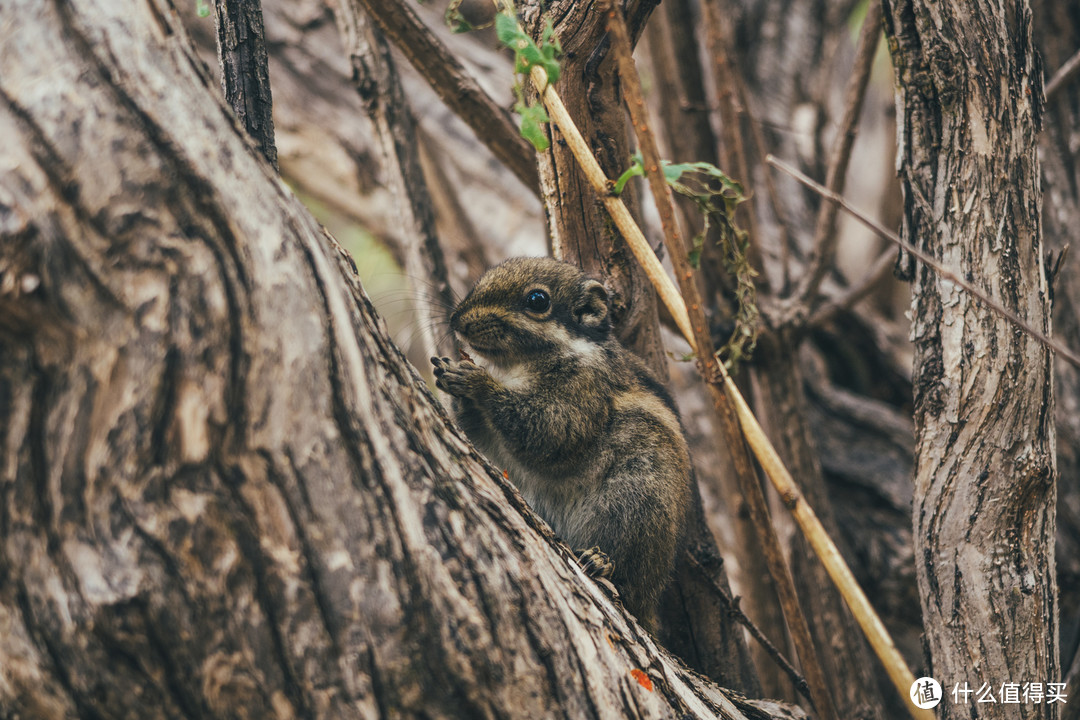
(537, 301)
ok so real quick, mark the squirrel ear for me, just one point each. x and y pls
(591, 310)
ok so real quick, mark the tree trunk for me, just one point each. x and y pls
(969, 103)
(223, 492)
(580, 229)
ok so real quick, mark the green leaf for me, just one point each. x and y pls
(550, 49)
(507, 30)
(526, 56)
(526, 52)
(547, 37)
(533, 119)
(672, 171)
(694, 256)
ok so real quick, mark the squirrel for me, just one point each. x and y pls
(585, 431)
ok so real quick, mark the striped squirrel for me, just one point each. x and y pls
(584, 429)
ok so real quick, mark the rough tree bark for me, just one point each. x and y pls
(245, 73)
(223, 492)
(969, 102)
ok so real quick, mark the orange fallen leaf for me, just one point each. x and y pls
(642, 678)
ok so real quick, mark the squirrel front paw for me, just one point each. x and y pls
(595, 563)
(460, 378)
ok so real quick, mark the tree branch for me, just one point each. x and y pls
(377, 82)
(1064, 74)
(734, 155)
(733, 607)
(824, 243)
(783, 224)
(922, 257)
(245, 73)
(877, 270)
(457, 88)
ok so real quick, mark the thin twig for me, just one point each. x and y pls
(635, 102)
(823, 247)
(736, 612)
(1064, 74)
(460, 236)
(783, 239)
(878, 269)
(708, 366)
(678, 83)
(919, 255)
(456, 86)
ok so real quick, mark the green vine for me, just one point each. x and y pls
(527, 55)
(716, 196)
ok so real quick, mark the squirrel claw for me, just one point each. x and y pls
(596, 563)
(458, 378)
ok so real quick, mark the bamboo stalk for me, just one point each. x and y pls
(764, 451)
(826, 550)
(708, 366)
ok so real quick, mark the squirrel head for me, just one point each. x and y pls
(530, 307)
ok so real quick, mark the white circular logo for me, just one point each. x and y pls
(926, 693)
